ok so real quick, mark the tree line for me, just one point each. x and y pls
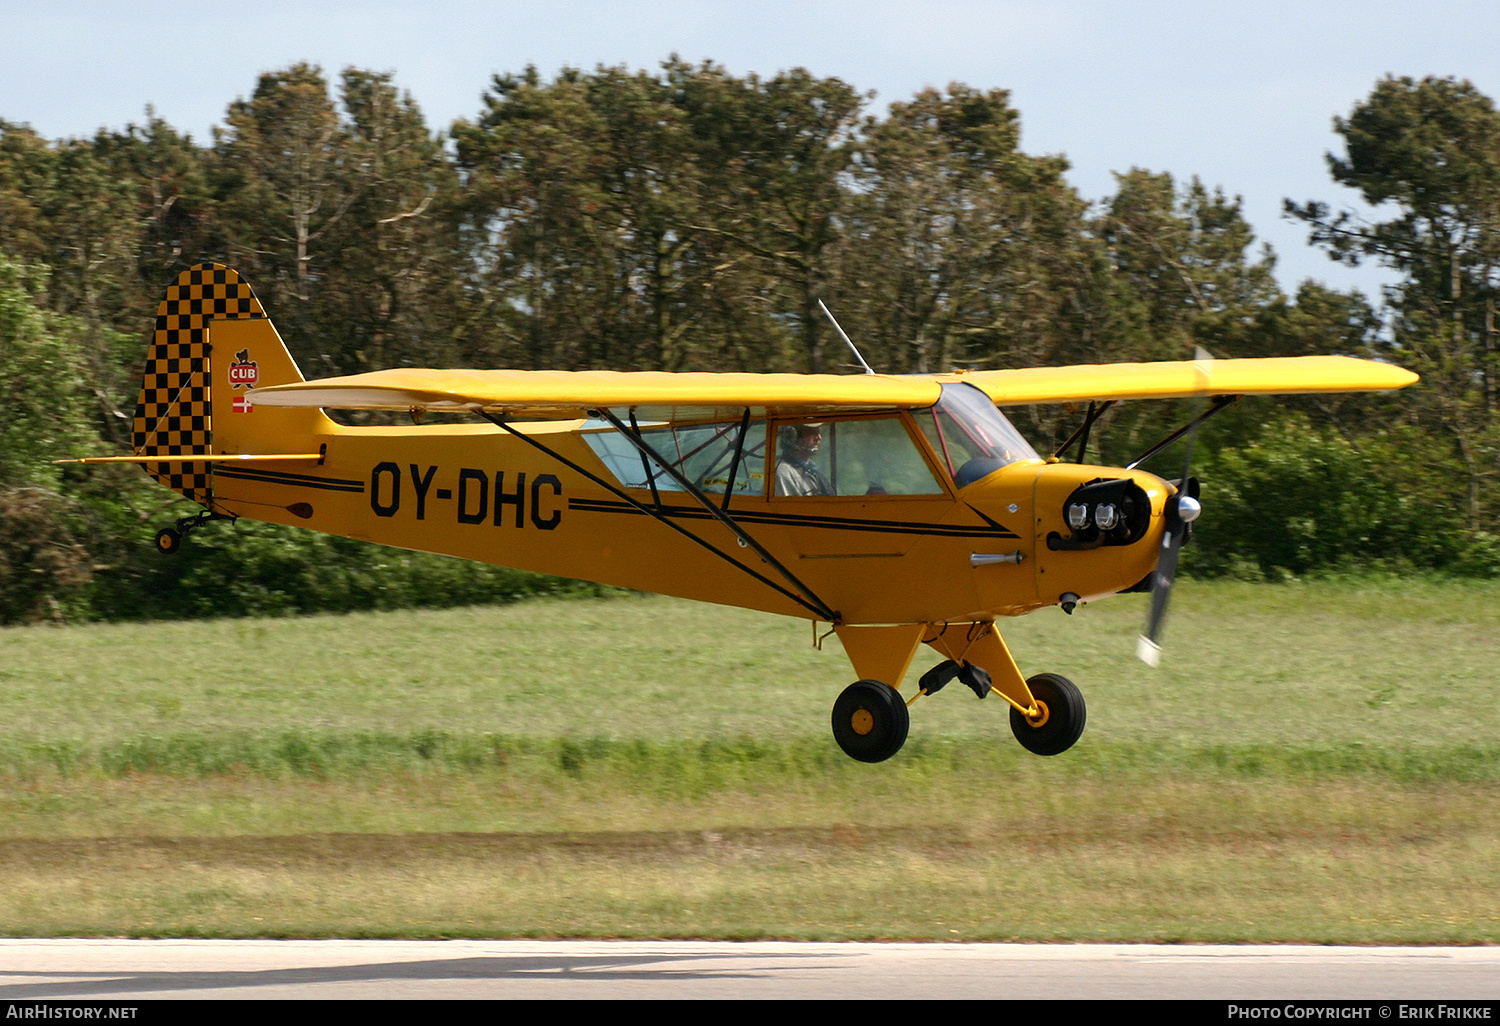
(689, 219)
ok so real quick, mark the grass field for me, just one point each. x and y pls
(1314, 762)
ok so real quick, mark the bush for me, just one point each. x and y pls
(250, 569)
(1300, 500)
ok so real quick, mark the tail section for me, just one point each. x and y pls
(213, 343)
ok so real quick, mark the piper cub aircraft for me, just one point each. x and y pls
(901, 510)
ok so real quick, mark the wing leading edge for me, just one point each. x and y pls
(570, 395)
(1279, 375)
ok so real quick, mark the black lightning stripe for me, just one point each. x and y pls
(787, 520)
(331, 484)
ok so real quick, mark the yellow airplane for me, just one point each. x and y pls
(901, 510)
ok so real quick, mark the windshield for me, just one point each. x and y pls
(971, 436)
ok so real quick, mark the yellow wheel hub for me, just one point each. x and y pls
(862, 722)
(1042, 715)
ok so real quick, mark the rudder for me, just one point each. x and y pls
(174, 414)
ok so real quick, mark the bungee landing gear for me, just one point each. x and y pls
(871, 720)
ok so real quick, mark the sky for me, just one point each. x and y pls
(1240, 95)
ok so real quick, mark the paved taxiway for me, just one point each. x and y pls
(122, 970)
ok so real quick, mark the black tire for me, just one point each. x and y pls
(1065, 716)
(870, 721)
(168, 541)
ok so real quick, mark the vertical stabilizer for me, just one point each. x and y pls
(175, 413)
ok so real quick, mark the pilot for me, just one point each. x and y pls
(796, 471)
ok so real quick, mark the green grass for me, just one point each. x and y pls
(1144, 859)
(1383, 662)
(1315, 761)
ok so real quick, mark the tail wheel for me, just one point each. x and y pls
(870, 721)
(168, 541)
(1060, 718)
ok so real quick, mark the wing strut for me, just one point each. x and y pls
(1095, 410)
(814, 603)
(646, 469)
(810, 602)
(1219, 403)
(734, 464)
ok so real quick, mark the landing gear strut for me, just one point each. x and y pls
(870, 721)
(169, 539)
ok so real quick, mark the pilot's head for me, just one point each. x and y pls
(802, 438)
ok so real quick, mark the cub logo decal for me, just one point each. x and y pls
(243, 372)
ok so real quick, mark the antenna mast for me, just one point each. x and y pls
(847, 341)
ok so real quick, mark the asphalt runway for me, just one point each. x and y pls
(152, 970)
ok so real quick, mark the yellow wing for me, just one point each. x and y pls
(571, 394)
(1169, 380)
(662, 395)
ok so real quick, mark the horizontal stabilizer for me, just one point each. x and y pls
(198, 458)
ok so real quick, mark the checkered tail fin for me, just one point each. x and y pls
(175, 413)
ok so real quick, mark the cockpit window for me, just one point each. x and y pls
(970, 435)
(702, 453)
(874, 456)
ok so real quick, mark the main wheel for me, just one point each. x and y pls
(1061, 718)
(168, 541)
(870, 721)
